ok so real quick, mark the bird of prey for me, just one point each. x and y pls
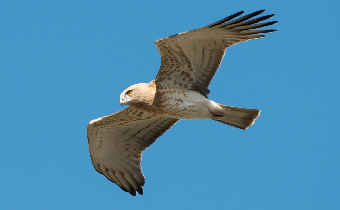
(179, 91)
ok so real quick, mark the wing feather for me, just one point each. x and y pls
(241, 19)
(191, 59)
(116, 143)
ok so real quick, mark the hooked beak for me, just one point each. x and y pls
(121, 102)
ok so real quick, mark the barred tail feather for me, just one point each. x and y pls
(238, 117)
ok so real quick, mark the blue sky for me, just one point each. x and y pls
(64, 63)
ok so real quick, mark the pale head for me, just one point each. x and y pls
(138, 94)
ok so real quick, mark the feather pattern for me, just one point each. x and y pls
(116, 143)
(191, 59)
(189, 62)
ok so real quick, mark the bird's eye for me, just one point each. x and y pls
(129, 93)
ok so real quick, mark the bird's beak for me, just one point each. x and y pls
(121, 102)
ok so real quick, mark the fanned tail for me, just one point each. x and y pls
(238, 117)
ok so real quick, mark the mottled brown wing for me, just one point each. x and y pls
(191, 59)
(116, 143)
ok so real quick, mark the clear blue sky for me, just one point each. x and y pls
(65, 63)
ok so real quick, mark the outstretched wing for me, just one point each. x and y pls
(191, 59)
(117, 141)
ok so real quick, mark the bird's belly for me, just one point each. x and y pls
(186, 105)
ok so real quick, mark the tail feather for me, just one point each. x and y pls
(238, 117)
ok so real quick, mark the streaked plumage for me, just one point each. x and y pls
(179, 91)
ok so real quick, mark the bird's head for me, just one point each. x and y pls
(134, 94)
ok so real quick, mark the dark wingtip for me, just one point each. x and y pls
(134, 193)
(140, 190)
(230, 17)
(239, 13)
(258, 12)
(267, 16)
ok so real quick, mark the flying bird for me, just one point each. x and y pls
(179, 91)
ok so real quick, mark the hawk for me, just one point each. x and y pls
(179, 91)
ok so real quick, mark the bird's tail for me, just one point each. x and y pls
(238, 117)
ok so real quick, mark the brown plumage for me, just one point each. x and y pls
(179, 91)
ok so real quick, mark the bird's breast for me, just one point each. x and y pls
(184, 104)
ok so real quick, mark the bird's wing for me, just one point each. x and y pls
(191, 59)
(116, 143)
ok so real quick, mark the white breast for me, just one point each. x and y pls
(187, 104)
